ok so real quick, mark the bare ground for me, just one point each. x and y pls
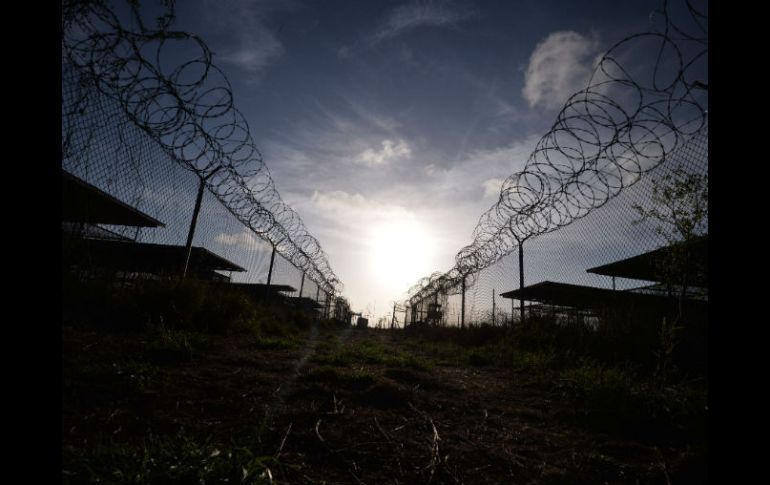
(365, 422)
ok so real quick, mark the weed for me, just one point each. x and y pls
(166, 345)
(275, 343)
(172, 459)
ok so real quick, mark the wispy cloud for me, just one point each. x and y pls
(256, 50)
(247, 42)
(390, 151)
(559, 66)
(418, 14)
(481, 168)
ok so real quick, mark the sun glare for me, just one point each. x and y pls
(401, 252)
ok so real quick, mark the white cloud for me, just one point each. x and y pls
(481, 168)
(418, 14)
(492, 187)
(355, 208)
(390, 151)
(559, 66)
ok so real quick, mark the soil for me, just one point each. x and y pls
(441, 424)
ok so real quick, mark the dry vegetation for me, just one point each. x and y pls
(270, 397)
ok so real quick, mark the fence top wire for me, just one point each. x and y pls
(167, 84)
(622, 125)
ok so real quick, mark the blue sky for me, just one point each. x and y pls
(390, 125)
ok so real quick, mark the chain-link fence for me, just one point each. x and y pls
(585, 196)
(153, 131)
(614, 232)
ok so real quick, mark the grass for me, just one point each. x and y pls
(356, 379)
(609, 394)
(112, 377)
(166, 345)
(275, 343)
(369, 352)
(167, 459)
(621, 400)
(127, 366)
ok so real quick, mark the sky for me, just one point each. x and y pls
(389, 126)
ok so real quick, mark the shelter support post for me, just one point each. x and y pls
(521, 278)
(493, 307)
(193, 224)
(302, 284)
(270, 272)
(462, 306)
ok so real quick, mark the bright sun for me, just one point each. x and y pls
(401, 252)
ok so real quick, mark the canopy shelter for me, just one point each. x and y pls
(260, 289)
(87, 204)
(306, 303)
(651, 265)
(692, 292)
(577, 296)
(79, 230)
(560, 297)
(156, 259)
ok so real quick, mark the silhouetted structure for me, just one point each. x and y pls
(144, 259)
(261, 291)
(83, 203)
(652, 300)
(649, 266)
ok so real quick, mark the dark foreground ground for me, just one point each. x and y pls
(342, 405)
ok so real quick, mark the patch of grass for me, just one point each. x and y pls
(448, 352)
(597, 383)
(356, 379)
(614, 399)
(528, 361)
(275, 343)
(166, 345)
(479, 357)
(174, 459)
(137, 375)
(102, 380)
(189, 305)
(367, 352)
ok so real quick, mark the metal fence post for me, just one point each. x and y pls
(521, 279)
(462, 306)
(493, 308)
(302, 285)
(270, 272)
(193, 224)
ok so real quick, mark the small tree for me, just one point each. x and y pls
(680, 207)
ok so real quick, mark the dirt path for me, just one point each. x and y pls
(328, 414)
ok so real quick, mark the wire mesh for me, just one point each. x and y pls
(150, 147)
(165, 85)
(574, 204)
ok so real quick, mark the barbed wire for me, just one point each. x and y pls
(187, 107)
(622, 125)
